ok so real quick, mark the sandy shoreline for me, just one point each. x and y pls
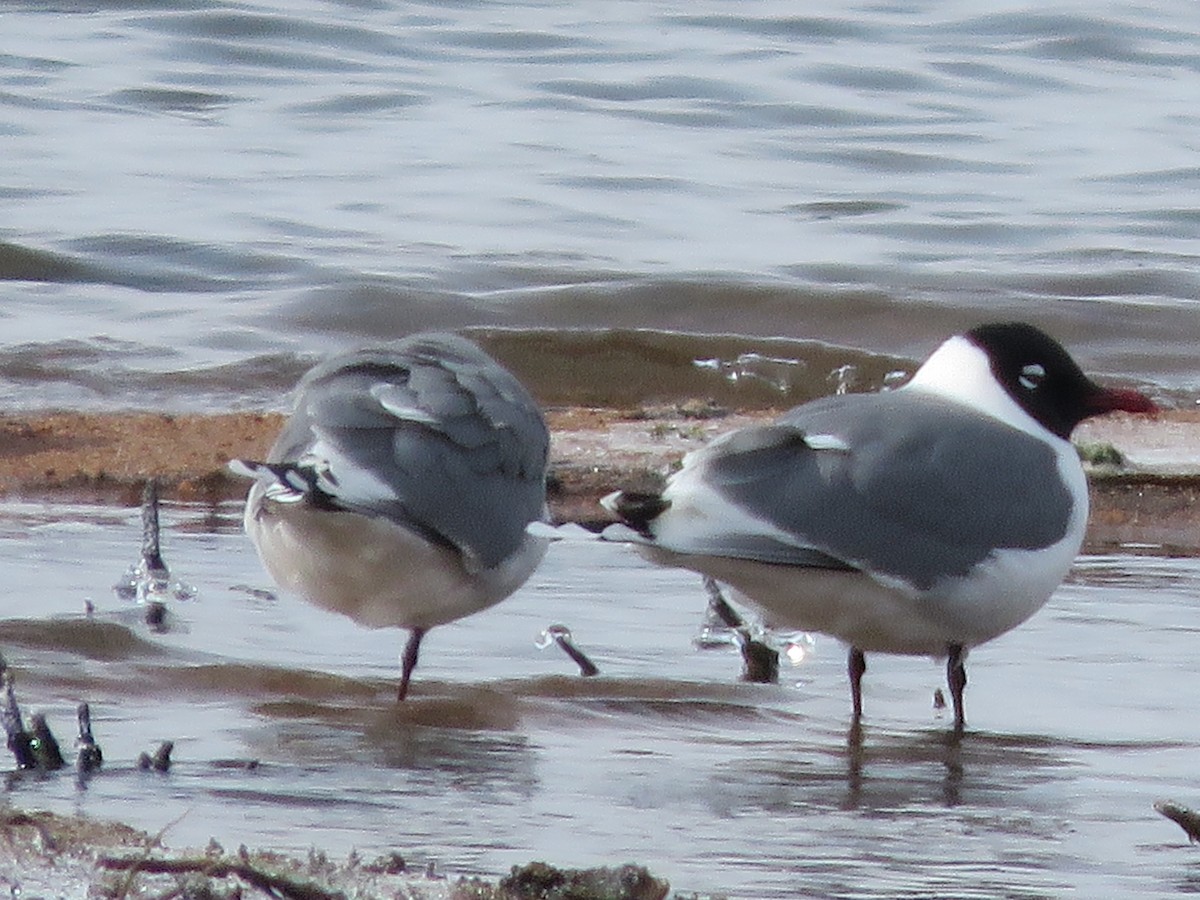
(106, 458)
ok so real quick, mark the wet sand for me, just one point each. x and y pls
(107, 458)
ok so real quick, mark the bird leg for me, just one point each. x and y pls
(408, 661)
(856, 665)
(956, 677)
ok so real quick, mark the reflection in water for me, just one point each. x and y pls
(286, 732)
(944, 747)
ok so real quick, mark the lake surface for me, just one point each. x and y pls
(1078, 722)
(624, 201)
(201, 197)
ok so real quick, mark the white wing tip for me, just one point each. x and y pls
(568, 531)
(620, 533)
(242, 468)
(395, 402)
(826, 442)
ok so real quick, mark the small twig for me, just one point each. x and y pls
(151, 545)
(160, 761)
(760, 662)
(156, 573)
(1187, 819)
(561, 635)
(719, 605)
(20, 741)
(587, 668)
(89, 757)
(156, 841)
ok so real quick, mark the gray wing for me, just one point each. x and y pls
(910, 486)
(430, 432)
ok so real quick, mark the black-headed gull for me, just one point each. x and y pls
(924, 520)
(399, 491)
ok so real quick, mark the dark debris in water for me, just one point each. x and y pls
(760, 662)
(160, 761)
(45, 745)
(1187, 819)
(36, 748)
(561, 635)
(115, 861)
(541, 881)
(89, 758)
(148, 581)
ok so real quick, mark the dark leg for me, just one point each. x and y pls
(408, 661)
(856, 665)
(956, 677)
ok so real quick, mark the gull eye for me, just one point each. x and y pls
(1031, 376)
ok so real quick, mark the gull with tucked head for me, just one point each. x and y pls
(925, 520)
(399, 491)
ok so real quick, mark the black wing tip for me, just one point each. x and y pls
(294, 481)
(637, 509)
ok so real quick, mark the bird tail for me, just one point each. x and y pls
(285, 482)
(636, 509)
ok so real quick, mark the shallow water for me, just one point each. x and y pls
(1079, 721)
(201, 195)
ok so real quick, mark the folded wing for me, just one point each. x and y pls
(430, 433)
(901, 484)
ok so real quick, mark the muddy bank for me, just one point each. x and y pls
(1152, 500)
(76, 856)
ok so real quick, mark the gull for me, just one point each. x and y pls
(399, 490)
(925, 520)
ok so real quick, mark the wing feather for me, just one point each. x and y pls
(431, 433)
(900, 484)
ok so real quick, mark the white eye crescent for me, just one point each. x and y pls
(1031, 376)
